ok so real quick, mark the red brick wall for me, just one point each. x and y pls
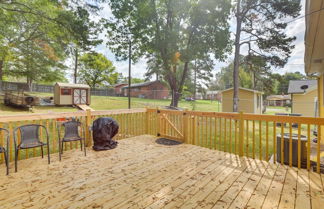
(153, 91)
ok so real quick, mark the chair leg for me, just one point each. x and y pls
(16, 159)
(81, 144)
(6, 161)
(42, 151)
(48, 154)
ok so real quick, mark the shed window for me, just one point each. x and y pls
(258, 101)
(66, 91)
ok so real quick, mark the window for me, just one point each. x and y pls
(66, 91)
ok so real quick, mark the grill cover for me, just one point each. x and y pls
(104, 129)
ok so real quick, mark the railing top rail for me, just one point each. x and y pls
(248, 116)
(44, 116)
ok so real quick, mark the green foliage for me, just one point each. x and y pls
(170, 33)
(97, 70)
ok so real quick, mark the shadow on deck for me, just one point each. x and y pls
(140, 173)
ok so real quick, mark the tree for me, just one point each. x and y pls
(260, 23)
(97, 70)
(174, 32)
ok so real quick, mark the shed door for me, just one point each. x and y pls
(79, 96)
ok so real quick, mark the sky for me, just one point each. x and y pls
(295, 63)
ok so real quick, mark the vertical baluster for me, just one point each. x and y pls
(210, 132)
(230, 135)
(308, 146)
(18, 139)
(274, 142)
(235, 138)
(11, 141)
(225, 128)
(318, 163)
(194, 130)
(267, 141)
(260, 140)
(290, 144)
(282, 144)
(299, 146)
(253, 139)
(216, 133)
(220, 134)
(247, 139)
(53, 135)
(206, 134)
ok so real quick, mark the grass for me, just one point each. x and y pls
(111, 103)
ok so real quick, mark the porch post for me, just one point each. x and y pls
(87, 129)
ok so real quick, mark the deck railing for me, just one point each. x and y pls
(250, 135)
(131, 123)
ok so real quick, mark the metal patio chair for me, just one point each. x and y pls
(71, 133)
(30, 139)
(4, 148)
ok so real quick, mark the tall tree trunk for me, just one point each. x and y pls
(177, 88)
(76, 56)
(1, 73)
(237, 57)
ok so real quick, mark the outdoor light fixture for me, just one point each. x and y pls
(304, 87)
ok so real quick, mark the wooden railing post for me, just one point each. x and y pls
(87, 129)
(185, 127)
(241, 134)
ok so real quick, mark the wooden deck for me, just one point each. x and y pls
(143, 174)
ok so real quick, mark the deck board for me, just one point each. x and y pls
(140, 173)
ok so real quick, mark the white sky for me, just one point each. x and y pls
(295, 63)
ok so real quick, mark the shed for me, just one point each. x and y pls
(71, 94)
(303, 97)
(250, 101)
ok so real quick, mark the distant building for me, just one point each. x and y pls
(278, 100)
(250, 101)
(214, 95)
(303, 97)
(118, 88)
(148, 90)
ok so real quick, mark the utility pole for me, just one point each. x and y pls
(129, 73)
(195, 79)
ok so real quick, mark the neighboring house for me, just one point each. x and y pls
(250, 101)
(199, 96)
(278, 100)
(213, 95)
(303, 97)
(118, 88)
(148, 90)
(71, 94)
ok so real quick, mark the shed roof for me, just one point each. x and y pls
(295, 86)
(245, 89)
(72, 85)
(142, 84)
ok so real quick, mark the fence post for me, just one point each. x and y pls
(87, 131)
(241, 134)
(185, 126)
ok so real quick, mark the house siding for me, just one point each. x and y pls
(304, 103)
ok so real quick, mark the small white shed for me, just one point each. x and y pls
(71, 94)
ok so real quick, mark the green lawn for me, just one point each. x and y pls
(110, 103)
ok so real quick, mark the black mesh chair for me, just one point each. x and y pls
(71, 133)
(4, 148)
(30, 139)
